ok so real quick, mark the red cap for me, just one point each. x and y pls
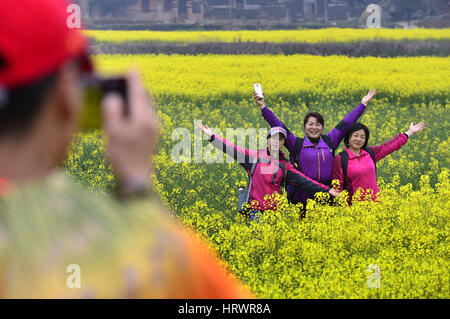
(35, 40)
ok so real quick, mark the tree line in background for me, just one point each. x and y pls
(399, 10)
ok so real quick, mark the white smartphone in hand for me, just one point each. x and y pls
(258, 90)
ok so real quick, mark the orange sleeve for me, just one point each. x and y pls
(208, 278)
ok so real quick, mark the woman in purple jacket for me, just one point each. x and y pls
(314, 153)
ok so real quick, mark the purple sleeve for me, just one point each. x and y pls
(274, 121)
(337, 134)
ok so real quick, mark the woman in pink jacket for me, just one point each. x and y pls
(355, 167)
(272, 169)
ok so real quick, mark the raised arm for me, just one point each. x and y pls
(338, 132)
(305, 183)
(273, 121)
(383, 150)
(244, 156)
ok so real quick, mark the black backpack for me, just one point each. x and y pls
(344, 163)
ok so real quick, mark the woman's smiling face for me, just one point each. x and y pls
(357, 139)
(276, 142)
(313, 128)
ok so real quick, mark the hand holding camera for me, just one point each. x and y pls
(131, 139)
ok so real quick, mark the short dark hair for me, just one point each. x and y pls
(356, 127)
(23, 105)
(313, 114)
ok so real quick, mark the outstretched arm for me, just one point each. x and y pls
(244, 156)
(272, 120)
(383, 150)
(338, 132)
(305, 183)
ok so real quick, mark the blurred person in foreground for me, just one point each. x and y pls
(58, 240)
